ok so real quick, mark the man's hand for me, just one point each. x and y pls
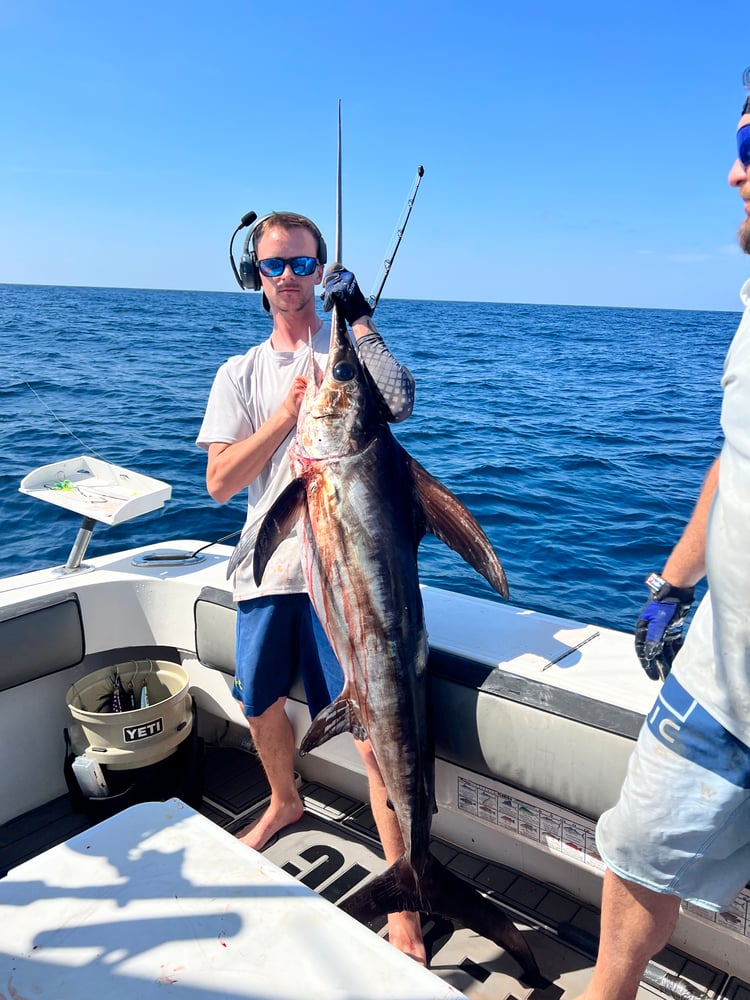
(340, 286)
(659, 631)
(294, 397)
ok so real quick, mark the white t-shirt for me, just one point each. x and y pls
(247, 389)
(714, 664)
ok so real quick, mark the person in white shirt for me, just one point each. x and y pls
(250, 420)
(681, 827)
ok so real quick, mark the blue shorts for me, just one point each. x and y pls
(682, 823)
(277, 637)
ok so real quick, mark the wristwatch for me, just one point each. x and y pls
(661, 589)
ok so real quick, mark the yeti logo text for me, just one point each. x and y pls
(144, 732)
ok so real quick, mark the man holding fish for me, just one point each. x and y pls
(681, 827)
(250, 420)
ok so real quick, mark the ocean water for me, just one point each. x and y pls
(579, 437)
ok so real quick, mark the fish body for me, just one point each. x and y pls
(361, 505)
(359, 560)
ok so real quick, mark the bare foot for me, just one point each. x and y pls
(405, 933)
(275, 818)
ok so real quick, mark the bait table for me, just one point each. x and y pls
(160, 901)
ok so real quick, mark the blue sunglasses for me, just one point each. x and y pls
(273, 267)
(743, 145)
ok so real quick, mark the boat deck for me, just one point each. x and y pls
(335, 846)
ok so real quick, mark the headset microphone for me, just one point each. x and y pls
(247, 220)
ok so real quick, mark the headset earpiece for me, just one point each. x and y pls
(249, 273)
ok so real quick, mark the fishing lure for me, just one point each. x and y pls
(117, 699)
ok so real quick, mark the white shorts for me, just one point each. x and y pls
(682, 823)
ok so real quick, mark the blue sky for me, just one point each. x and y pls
(574, 152)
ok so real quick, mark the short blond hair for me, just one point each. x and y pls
(289, 220)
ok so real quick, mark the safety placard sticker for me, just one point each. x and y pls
(574, 838)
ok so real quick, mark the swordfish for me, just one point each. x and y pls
(361, 505)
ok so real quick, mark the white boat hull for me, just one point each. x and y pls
(535, 716)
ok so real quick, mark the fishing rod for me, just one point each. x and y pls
(400, 229)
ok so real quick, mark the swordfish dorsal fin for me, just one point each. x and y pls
(278, 522)
(338, 717)
(453, 523)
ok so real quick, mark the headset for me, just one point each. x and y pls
(248, 275)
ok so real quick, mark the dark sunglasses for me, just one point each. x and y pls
(273, 267)
(743, 145)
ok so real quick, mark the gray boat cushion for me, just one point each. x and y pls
(26, 652)
(215, 625)
(560, 746)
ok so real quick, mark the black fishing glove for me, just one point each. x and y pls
(660, 629)
(340, 286)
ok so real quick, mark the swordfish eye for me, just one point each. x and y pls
(344, 371)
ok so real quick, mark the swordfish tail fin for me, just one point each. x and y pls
(438, 891)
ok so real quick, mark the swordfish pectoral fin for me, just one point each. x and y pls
(268, 532)
(338, 717)
(276, 525)
(453, 523)
(243, 548)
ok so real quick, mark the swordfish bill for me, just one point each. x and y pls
(361, 505)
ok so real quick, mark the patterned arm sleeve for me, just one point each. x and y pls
(394, 382)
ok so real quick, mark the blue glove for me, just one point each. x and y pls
(340, 286)
(660, 630)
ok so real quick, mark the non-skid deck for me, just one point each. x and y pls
(335, 847)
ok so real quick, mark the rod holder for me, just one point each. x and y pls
(80, 545)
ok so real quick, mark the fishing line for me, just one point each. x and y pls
(64, 425)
